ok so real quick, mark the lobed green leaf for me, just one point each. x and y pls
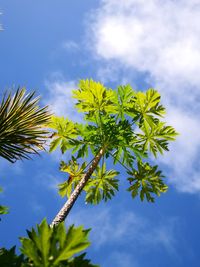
(146, 181)
(102, 185)
(51, 246)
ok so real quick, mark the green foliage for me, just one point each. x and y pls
(124, 124)
(155, 137)
(79, 261)
(101, 186)
(93, 97)
(75, 173)
(3, 209)
(146, 180)
(48, 247)
(66, 130)
(8, 258)
(147, 106)
(128, 125)
(21, 125)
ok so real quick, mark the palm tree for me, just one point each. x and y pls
(22, 124)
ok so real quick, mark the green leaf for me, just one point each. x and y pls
(124, 101)
(51, 246)
(8, 258)
(94, 97)
(79, 261)
(3, 210)
(76, 240)
(102, 185)
(75, 172)
(64, 131)
(156, 137)
(124, 155)
(146, 181)
(147, 107)
(54, 144)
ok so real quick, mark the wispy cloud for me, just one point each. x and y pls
(1, 26)
(127, 228)
(70, 45)
(49, 181)
(159, 39)
(162, 235)
(184, 153)
(14, 169)
(60, 102)
(121, 259)
(60, 97)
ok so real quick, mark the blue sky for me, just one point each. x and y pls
(48, 46)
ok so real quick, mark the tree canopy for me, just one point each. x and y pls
(121, 128)
(124, 125)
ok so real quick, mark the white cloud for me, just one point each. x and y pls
(161, 40)
(60, 98)
(184, 153)
(161, 37)
(61, 103)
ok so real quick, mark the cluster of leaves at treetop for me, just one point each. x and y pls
(128, 126)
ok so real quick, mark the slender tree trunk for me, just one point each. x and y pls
(62, 214)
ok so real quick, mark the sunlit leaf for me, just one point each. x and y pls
(75, 172)
(64, 131)
(147, 107)
(156, 137)
(102, 186)
(124, 101)
(51, 246)
(93, 96)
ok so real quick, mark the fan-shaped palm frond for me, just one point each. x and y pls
(22, 125)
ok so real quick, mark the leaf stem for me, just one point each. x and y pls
(119, 161)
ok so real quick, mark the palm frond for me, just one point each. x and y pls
(22, 124)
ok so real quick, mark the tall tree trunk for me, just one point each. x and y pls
(62, 214)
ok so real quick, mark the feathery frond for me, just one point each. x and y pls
(22, 125)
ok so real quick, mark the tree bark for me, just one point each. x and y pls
(62, 214)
